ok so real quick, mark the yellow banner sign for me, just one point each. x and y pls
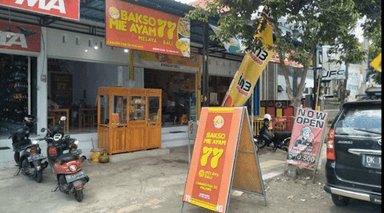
(377, 63)
(252, 66)
(192, 61)
(136, 27)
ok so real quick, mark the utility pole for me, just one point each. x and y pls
(363, 85)
(314, 78)
(205, 66)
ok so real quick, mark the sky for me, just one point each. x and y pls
(185, 1)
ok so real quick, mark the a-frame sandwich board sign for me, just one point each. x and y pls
(224, 157)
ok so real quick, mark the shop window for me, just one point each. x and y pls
(104, 109)
(13, 88)
(119, 114)
(137, 108)
(154, 106)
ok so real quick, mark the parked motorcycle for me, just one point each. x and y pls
(27, 154)
(265, 138)
(65, 161)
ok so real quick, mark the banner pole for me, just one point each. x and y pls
(252, 110)
(190, 131)
(205, 65)
(182, 206)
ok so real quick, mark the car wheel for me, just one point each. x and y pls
(339, 200)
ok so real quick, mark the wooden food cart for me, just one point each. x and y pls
(128, 119)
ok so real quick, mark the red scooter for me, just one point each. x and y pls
(65, 162)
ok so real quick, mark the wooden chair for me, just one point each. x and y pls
(51, 121)
(86, 120)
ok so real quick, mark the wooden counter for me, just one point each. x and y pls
(131, 119)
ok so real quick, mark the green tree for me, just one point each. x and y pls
(374, 51)
(371, 11)
(320, 22)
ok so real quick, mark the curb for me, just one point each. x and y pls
(137, 155)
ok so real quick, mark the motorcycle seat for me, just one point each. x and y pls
(283, 134)
(66, 157)
(21, 145)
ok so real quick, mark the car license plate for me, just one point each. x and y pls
(372, 161)
(74, 177)
(35, 157)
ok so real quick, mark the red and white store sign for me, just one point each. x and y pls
(18, 36)
(62, 8)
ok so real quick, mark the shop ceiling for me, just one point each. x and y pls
(92, 15)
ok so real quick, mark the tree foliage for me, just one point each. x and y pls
(372, 30)
(320, 22)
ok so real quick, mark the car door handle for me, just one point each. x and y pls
(364, 152)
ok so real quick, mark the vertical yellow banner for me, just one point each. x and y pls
(252, 65)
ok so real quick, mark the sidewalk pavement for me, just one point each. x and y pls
(148, 184)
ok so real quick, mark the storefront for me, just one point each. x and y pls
(19, 48)
(77, 65)
(177, 77)
(221, 73)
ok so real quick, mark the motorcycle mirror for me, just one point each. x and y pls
(42, 130)
(63, 118)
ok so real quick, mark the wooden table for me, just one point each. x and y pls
(66, 114)
(91, 110)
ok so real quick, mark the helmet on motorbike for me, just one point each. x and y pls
(267, 116)
(30, 120)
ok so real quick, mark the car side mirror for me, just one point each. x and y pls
(42, 130)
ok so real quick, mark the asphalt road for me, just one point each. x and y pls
(156, 184)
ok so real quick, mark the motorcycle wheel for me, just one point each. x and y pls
(261, 143)
(39, 176)
(63, 186)
(16, 156)
(285, 144)
(26, 167)
(79, 195)
(275, 146)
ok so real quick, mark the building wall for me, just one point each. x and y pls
(79, 47)
(272, 77)
(222, 67)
